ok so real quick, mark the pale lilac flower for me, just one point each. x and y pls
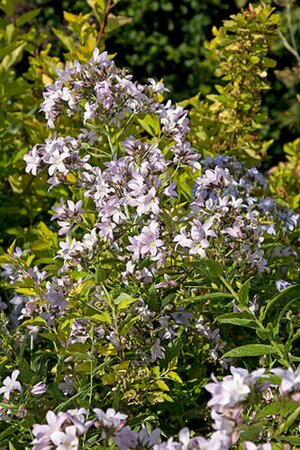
(33, 161)
(216, 442)
(67, 386)
(170, 191)
(106, 228)
(182, 239)
(148, 203)
(223, 423)
(3, 305)
(157, 351)
(90, 111)
(43, 433)
(66, 440)
(147, 441)
(78, 418)
(104, 94)
(228, 392)
(149, 239)
(234, 231)
(56, 161)
(126, 439)
(290, 380)
(110, 422)
(101, 59)
(10, 384)
(169, 445)
(39, 388)
(157, 87)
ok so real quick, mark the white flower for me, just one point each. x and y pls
(32, 160)
(44, 433)
(56, 161)
(66, 440)
(10, 384)
(290, 380)
(228, 392)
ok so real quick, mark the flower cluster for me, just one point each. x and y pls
(229, 217)
(229, 399)
(63, 431)
(128, 191)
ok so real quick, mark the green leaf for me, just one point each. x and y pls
(38, 321)
(214, 267)
(127, 325)
(270, 63)
(250, 350)
(68, 41)
(10, 59)
(166, 397)
(213, 295)
(150, 124)
(123, 301)
(254, 59)
(27, 291)
(239, 319)
(102, 317)
(7, 49)
(114, 22)
(11, 248)
(274, 409)
(294, 440)
(162, 385)
(209, 267)
(174, 376)
(26, 17)
(244, 293)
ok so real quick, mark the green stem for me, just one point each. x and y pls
(230, 289)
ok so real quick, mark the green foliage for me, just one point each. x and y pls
(166, 40)
(285, 177)
(228, 122)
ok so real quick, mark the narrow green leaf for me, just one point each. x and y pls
(38, 321)
(250, 350)
(162, 385)
(68, 41)
(244, 293)
(10, 59)
(213, 295)
(239, 319)
(26, 17)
